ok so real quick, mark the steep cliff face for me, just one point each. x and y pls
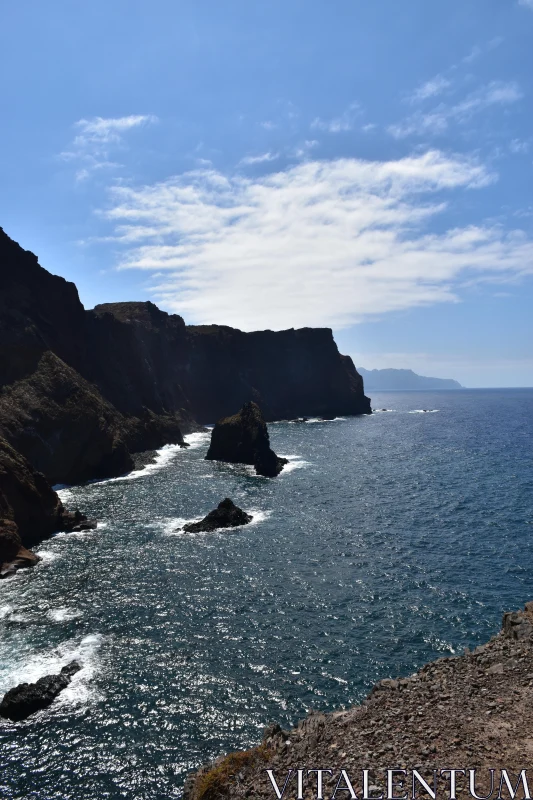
(287, 373)
(62, 424)
(38, 312)
(26, 499)
(153, 359)
(80, 390)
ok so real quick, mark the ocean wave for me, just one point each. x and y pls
(5, 611)
(46, 556)
(172, 527)
(163, 456)
(64, 614)
(64, 493)
(424, 411)
(85, 651)
(295, 462)
(101, 526)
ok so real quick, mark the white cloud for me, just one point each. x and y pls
(101, 130)
(261, 159)
(322, 243)
(96, 136)
(438, 119)
(527, 3)
(339, 124)
(430, 88)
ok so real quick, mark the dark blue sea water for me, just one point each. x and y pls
(391, 540)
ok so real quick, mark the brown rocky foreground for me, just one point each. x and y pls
(469, 712)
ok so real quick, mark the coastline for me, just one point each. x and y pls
(458, 712)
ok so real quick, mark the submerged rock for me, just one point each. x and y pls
(243, 439)
(226, 515)
(28, 698)
(76, 521)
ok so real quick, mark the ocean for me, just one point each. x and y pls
(389, 541)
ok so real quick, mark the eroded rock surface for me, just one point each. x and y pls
(470, 711)
(226, 515)
(243, 439)
(26, 699)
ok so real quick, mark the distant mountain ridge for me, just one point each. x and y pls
(397, 380)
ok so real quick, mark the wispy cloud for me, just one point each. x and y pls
(321, 243)
(430, 88)
(519, 146)
(260, 159)
(339, 124)
(526, 3)
(439, 118)
(304, 149)
(91, 146)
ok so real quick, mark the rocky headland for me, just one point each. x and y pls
(82, 391)
(243, 439)
(467, 712)
(225, 515)
(26, 699)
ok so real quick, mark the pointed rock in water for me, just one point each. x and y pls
(226, 515)
(243, 439)
(28, 698)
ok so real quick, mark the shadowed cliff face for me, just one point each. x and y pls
(80, 389)
(38, 312)
(153, 359)
(26, 499)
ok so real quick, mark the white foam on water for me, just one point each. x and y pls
(173, 526)
(312, 420)
(5, 611)
(258, 516)
(197, 439)
(47, 556)
(64, 493)
(101, 526)
(163, 457)
(295, 462)
(383, 410)
(424, 411)
(64, 614)
(85, 651)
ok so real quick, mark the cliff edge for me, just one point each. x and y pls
(468, 712)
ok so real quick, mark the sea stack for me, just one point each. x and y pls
(226, 515)
(243, 439)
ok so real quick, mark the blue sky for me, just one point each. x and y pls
(361, 165)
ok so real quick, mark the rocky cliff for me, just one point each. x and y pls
(29, 510)
(467, 712)
(82, 390)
